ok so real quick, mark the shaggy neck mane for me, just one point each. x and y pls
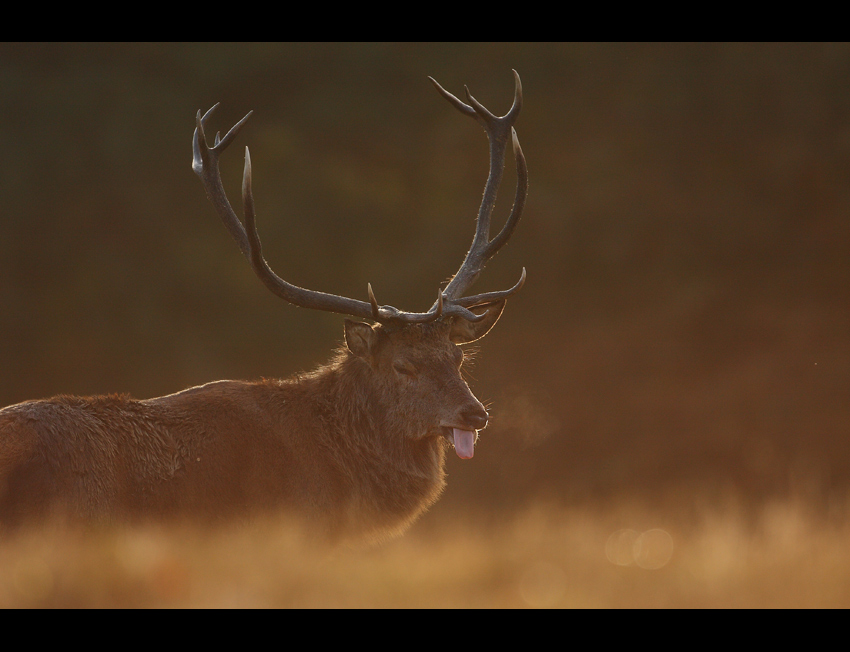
(391, 475)
(362, 422)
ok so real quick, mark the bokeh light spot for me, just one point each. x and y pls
(620, 547)
(653, 549)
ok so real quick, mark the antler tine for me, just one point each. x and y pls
(205, 165)
(460, 106)
(491, 297)
(519, 200)
(498, 130)
(376, 311)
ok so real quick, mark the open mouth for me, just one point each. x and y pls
(463, 441)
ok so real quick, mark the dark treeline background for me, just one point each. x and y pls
(685, 327)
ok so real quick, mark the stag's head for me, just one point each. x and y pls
(416, 354)
(415, 374)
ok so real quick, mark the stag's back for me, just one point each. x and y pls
(207, 452)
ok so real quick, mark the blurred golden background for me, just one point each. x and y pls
(674, 377)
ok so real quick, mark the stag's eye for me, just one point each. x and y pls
(404, 367)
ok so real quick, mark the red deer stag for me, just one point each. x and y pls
(356, 448)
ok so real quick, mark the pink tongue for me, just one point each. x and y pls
(464, 442)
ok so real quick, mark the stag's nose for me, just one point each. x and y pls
(475, 416)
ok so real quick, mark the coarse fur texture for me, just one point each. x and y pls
(356, 448)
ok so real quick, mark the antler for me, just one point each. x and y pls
(498, 129)
(205, 165)
(449, 302)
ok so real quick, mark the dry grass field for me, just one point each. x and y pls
(674, 375)
(616, 556)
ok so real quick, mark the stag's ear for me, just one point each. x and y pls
(360, 338)
(464, 331)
